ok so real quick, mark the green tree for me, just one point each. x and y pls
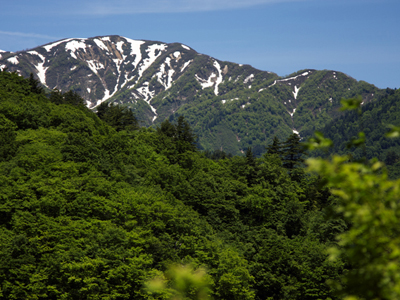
(121, 118)
(275, 147)
(8, 134)
(36, 86)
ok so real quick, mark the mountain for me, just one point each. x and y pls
(229, 106)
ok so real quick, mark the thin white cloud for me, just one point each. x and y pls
(116, 7)
(29, 35)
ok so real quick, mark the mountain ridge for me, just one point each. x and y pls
(230, 106)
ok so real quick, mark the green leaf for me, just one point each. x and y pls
(318, 142)
(394, 132)
(351, 104)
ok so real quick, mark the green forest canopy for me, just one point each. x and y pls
(93, 210)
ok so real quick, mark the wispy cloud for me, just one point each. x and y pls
(103, 7)
(29, 35)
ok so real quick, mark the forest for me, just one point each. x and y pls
(93, 206)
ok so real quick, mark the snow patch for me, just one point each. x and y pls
(249, 78)
(205, 83)
(106, 95)
(296, 91)
(119, 48)
(73, 68)
(88, 89)
(151, 50)
(13, 60)
(213, 79)
(224, 101)
(100, 44)
(186, 64)
(296, 132)
(74, 46)
(287, 79)
(42, 70)
(176, 54)
(32, 53)
(185, 47)
(148, 95)
(219, 79)
(95, 65)
(165, 77)
(292, 78)
(106, 38)
(291, 114)
(51, 46)
(2, 67)
(135, 50)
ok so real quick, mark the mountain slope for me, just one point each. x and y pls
(229, 106)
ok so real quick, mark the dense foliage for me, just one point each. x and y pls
(93, 210)
(373, 120)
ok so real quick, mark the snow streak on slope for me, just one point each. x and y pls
(165, 77)
(296, 91)
(186, 64)
(94, 65)
(148, 95)
(249, 78)
(41, 70)
(287, 79)
(213, 79)
(135, 50)
(219, 79)
(151, 50)
(100, 44)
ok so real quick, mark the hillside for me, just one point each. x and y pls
(374, 120)
(90, 211)
(229, 106)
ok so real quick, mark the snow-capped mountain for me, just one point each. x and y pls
(223, 101)
(101, 67)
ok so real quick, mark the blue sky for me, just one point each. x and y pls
(358, 37)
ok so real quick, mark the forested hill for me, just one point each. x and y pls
(92, 206)
(374, 120)
(229, 106)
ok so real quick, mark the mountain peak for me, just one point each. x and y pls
(159, 80)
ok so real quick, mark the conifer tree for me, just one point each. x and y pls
(275, 147)
(121, 118)
(292, 152)
(36, 87)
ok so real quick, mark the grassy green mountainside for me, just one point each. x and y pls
(229, 106)
(90, 210)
